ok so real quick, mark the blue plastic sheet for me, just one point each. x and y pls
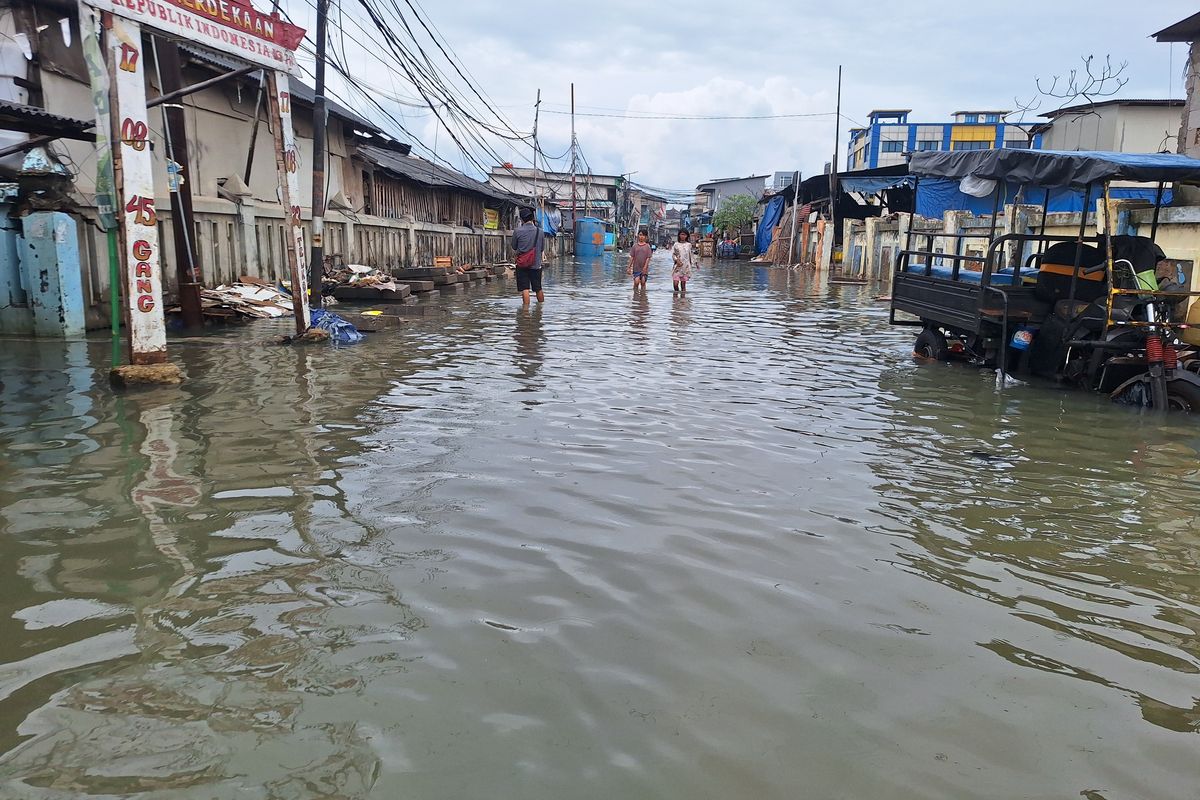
(766, 226)
(340, 330)
(551, 221)
(935, 196)
(875, 185)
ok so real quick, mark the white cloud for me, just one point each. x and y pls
(765, 56)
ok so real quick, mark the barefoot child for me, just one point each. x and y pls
(685, 261)
(639, 261)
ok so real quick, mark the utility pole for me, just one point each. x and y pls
(795, 215)
(316, 266)
(574, 164)
(833, 169)
(170, 79)
(537, 107)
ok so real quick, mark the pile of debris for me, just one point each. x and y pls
(248, 298)
(359, 277)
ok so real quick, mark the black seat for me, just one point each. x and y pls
(1140, 252)
(1054, 274)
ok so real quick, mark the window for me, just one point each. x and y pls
(970, 118)
(972, 145)
(891, 147)
(992, 118)
(929, 144)
(1017, 144)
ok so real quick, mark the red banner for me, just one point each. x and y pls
(244, 17)
(232, 26)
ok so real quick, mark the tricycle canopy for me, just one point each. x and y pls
(1056, 168)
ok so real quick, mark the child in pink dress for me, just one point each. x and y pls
(684, 257)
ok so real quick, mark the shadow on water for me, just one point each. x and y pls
(724, 544)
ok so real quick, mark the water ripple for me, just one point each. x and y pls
(733, 544)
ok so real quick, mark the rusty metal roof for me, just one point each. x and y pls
(428, 173)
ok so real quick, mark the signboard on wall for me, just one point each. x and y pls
(230, 26)
(491, 219)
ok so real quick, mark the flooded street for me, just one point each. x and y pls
(729, 545)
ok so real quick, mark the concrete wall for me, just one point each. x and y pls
(219, 125)
(1125, 129)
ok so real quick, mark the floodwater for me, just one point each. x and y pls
(733, 545)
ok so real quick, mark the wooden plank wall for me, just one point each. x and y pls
(396, 199)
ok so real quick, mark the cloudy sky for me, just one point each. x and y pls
(639, 59)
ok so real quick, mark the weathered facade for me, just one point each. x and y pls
(1187, 31)
(595, 195)
(1118, 126)
(709, 195)
(386, 207)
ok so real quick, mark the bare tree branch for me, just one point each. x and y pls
(1097, 79)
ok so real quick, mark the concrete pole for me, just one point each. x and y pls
(286, 162)
(320, 147)
(134, 171)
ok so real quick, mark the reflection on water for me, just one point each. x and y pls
(733, 544)
(530, 338)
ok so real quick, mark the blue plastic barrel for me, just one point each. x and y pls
(589, 237)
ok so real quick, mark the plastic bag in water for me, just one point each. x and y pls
(340, 330)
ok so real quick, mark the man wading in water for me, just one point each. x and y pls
(527, 241)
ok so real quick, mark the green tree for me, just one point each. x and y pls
(736, 213)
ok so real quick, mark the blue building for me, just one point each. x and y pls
(890, 135)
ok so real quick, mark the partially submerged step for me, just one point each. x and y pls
(368, 294)
(130, 375)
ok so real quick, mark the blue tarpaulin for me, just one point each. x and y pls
(935, 196)
(550, 221)
(766, 226)
(340, 330)
(874, 185)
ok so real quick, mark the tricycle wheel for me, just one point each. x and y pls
(1183, 396)
(931, 344)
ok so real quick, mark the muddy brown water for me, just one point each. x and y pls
(730, 545)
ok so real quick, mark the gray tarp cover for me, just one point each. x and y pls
(1056, 168)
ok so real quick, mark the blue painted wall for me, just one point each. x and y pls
(50, 265)
(871, 155)
(15, 316)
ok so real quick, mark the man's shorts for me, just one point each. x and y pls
(529, 280)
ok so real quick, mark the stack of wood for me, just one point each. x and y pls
(781, 241)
